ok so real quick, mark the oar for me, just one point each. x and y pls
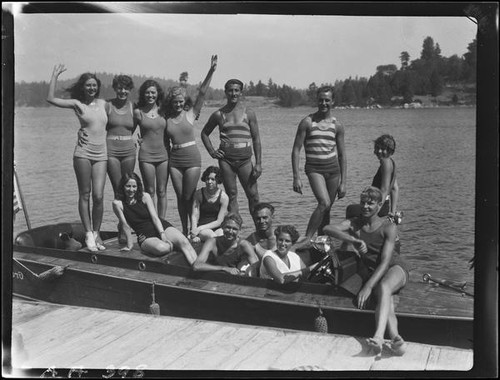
(457, 286)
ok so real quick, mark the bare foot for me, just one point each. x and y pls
(398, 346)
(376, 344)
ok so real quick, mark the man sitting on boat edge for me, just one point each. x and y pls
(384, 272)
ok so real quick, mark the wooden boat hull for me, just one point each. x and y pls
(124, 281)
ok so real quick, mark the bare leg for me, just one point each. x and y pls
(161, 188)
(190, 181)
(230, 185)
(332, 185)
(392, 281)
(181, 243)
(83, 171)
(98, 182)
(155, 246)
(148, 174)
(249, 185)
(320, 191)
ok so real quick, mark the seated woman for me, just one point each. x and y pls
(383, 270)
(283, 265)
(209, 207)
(135, 210)
(225, 253)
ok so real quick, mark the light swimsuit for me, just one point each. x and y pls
(120, 128)
(93, 120)
(152, 145)
(184, 153)
(280, 264)
(320, 147)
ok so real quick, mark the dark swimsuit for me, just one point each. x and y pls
(377, 182)
(209, 211)
(375, 241)
(139, 219)
(230, 260)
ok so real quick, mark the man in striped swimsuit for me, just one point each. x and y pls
(239, 134)
(326, 166)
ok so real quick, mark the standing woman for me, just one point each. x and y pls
(153, 155)
(326, 163)
(121, 126)
(90, 158)
(185, 158)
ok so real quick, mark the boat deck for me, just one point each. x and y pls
(416, 298)
(48, 335)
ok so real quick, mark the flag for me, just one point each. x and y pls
(17, 198)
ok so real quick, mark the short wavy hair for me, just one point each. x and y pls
(386, 142)
(123, 80)
(287, 229)
(234, 217)
(77, 89)
(371, 193)
(324, 89)
(262, 205)
(210, 170)
(142, 91)
(233, 81)
(167, 109)
(120, 194)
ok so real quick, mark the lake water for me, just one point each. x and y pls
(435, 158)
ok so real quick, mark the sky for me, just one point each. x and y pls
(295, 50)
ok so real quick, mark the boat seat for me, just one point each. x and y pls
(53, 236)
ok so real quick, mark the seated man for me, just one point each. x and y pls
(225, 253)
(384, 271)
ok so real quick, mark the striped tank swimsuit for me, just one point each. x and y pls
(321, 148)
(236, 139)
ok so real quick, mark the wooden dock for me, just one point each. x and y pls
(48, 335)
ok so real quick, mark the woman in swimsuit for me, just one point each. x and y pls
(326, 165)
(383, 270)
(209, 207)
(90, 158)
(185, 158)
(385, 179)
(281, 264)
(224, 253)
(153, 155)
(239, 131)
(135, 210)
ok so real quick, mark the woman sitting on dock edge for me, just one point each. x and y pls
(135, 209)
(383, 271)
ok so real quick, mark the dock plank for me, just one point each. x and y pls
(69, 336)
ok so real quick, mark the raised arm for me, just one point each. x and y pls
(118, 210)
(300, 137)
(58, 102)
(339, 137)
(213, 121)
(257, 147)
(198, 104)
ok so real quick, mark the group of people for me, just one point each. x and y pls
(210, 215)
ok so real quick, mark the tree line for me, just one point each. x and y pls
(389, 86)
